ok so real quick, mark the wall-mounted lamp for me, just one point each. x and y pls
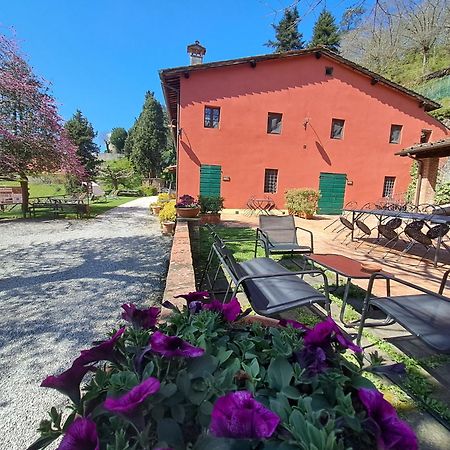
(305, 122)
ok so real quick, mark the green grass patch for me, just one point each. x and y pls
(40, 189)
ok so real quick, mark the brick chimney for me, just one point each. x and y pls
(196, 52)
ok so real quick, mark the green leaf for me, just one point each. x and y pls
(158, 412)
(43, 442)
(167, 390)
(206, 408)
(178, 413)
(169, 431)
(203, 366)
(291, 392)
(212, 443)
(223, 355)
(279, 373)
(148, 371)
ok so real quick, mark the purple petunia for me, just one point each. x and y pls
(293, 324)
(102, 352)
(128, 404)
(81, 435)
(69, 381)
(391, 432)
(140, 318)
(170, 346)
(195, 296)
(238, 415)
(230, 310)
(313, 358)
(326, 332)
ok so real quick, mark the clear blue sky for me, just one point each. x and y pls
(101, 56)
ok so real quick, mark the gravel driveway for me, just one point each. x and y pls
(61, 286)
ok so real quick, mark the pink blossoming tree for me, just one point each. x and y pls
(32, 138)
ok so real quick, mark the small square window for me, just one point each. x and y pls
(212, 117)
(337, 128)
(425, 136)
(274, 123)
(388, 187)
(270, 181)
(329, 70)
(396, 134)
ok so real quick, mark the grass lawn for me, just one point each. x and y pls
(41, 189)
(416, 382)
(96, 208)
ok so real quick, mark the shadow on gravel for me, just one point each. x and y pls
(70, 289)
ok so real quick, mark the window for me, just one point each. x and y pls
(212, 117)
(270, 181)
(396, 133)
(274, 123)
(328, 70)
(388, 187)
(337, 128)
(425, 136)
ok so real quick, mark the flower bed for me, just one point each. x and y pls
(207, 380)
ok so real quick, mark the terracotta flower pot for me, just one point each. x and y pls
(168, 227)
(211, 218)
(156, 210)
(304, 215)
(187, 213)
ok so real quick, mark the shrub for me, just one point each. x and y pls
(210, 204)
(205, 381)
(442, 194)
(168, 212)
(302, 201)
(149, 191)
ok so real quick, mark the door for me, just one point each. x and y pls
(210, 177)
(332, 191)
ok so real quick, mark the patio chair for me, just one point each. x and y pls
(388, 231)
(270, 287)
(278, 236)
(425, 314)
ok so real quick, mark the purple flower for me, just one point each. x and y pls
(326, 332)
(195, 296)
(293, 324)
(195, 306)
(140, 318)
(81, 435)
(238, 415)
(128, 404)
(391, 432)
(173, 346)
(105, 351)
(187, 201)
(69, 381)
(313, 358)
(230, 310)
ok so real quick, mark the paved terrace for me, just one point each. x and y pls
(432, 434)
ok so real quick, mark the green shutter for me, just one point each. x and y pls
(210, 177)
(332, 192)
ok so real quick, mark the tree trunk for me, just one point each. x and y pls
(25, 194)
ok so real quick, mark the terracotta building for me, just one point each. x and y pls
(258, 126)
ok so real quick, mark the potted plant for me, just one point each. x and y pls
(210, 207)
(302, 202)
(187, 207)
(155, 208)
(204, 379)
(167, 217)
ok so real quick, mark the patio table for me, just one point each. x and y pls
(437, 219)
(348, 268)
(263, 205)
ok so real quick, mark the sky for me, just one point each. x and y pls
(101, 56)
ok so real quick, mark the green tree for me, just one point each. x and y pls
(118, 138)
(352, 18)
(148, 138)
(286, 32)
(81, 134)
(119, 173)
(326, 32)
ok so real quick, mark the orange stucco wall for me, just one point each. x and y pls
(308, 99)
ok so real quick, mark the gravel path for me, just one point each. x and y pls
(61, 286)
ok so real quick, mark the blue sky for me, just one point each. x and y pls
(101, 56)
